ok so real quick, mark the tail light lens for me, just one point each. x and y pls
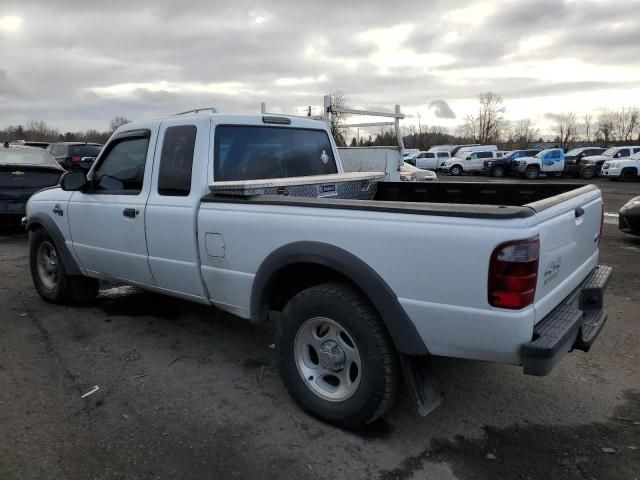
(76, 159)
(513, 273)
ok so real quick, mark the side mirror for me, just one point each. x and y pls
(73, 181)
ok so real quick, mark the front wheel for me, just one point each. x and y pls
(49, 277)
(587, 173)
(498, 171)
(456, 170)
(627, 175)
(335, 356)
(532, 172)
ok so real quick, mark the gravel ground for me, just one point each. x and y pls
(189, 392)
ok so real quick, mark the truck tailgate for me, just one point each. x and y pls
(569, 233)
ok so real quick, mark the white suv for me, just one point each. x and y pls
(625, 169)
(469, 161)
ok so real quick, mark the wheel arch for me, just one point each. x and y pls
(300, 265)
(36, 221)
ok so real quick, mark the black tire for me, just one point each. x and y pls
(588, 173)
(627, 175)
(532, 172)
(56, 286)
(498, 171)
(377, 382)
(456, 170)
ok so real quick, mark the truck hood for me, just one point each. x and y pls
(595, 158)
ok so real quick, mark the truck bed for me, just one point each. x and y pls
(464, 199)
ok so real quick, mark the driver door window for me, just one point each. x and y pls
(122, 169)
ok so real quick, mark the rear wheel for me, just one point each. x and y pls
(49, 276)
(456, 170)
(532, 172)
(498, 171)
(335, 356)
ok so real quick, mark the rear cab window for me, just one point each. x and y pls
(247, 152)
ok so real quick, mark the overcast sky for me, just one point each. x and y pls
(78, 63)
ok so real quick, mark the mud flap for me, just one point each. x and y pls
(419, 380)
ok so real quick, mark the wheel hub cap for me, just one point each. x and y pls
(332, 356)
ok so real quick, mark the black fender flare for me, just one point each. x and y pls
(68, 262)
(400, 327)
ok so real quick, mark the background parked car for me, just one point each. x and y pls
(429, 160)
(625, 168)
(595, 164)
(500, 167)
(70, 154)
(470, 161)
(629, 217)
(574, 164)
(409, 173)
(23, 171)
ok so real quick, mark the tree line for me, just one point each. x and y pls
(39, 131)
(489, 126)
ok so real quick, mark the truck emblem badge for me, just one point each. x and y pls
(324, 157)
(17, 173)
(58, 210)
(552, 270)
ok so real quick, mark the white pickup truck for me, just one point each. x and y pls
(359, 310)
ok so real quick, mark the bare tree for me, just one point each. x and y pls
(605, 126)
(117, 122)
(487, 125)
(523, 134)
(567, 129)
(587, 122)
(338, 99)
(625, 123)
(38, 130)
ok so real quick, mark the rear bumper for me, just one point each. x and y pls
(574, 324)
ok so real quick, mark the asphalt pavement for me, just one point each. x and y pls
(188, 392)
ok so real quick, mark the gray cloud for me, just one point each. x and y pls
(47, 72)
(442, 109)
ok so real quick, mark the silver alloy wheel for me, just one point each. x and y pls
(327, 359)
(456, 171)
(498, 171)
(47, 262)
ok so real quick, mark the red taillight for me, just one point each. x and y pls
(76, 159)
(513, 273)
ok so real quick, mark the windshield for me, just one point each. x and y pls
(635, 156)
(539, 155)
(610, 152)
(26, 156)
(574, 152)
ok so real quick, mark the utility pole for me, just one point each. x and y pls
(309, 111)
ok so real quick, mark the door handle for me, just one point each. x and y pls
(579, 212)
(130, 212)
